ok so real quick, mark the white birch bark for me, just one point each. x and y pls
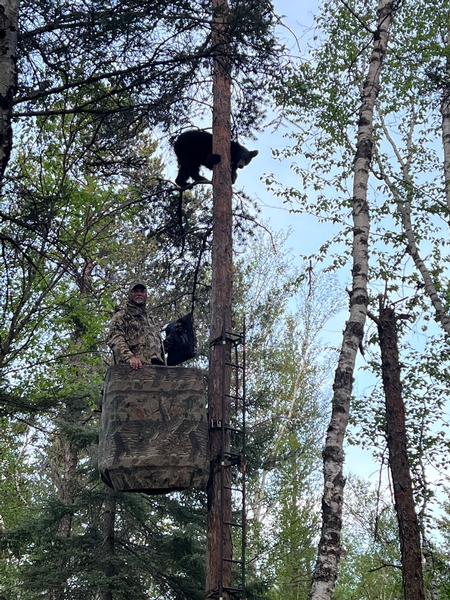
(9, 12)
(445, 112)
(329, 549)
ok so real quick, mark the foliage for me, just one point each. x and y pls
(371, 564)
(408, 196)
(125, 67)
(70, 243)
(288, 366)
(86, 208)
(409, 213)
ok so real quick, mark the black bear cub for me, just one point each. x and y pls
(194, 148)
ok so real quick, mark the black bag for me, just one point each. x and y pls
(180, 343)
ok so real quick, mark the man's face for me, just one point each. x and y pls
(139, 294)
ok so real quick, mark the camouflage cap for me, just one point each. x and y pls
(134, 284)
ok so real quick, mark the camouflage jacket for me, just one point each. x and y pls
(133, 332)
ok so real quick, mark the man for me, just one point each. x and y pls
(134, 337)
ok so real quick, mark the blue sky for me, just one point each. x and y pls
(299, 18)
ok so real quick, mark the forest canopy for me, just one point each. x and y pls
(351, 118)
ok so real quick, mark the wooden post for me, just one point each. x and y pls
(218, 571)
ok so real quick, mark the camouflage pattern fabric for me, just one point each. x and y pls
(133, 332)
(154, 429)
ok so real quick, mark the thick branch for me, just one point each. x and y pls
(404, 206)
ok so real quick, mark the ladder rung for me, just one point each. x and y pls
(235, 430)
(235, 365)
(233, 458)
(217, 424)
(234, 489)
(233, 590)
(226, 589)
(233, 560)
(238, 336)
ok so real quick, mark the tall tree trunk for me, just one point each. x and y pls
(67, 456)
(408, 523)
(108, 519)
(8, 76)
(329, 549)
(445, 112)
(218, 572)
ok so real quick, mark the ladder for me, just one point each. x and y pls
(233, 459)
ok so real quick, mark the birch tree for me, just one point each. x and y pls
(329, 549)
(407, 196)
(8, 76)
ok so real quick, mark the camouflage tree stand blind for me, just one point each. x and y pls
(154, 429)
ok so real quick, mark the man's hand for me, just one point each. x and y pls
(135, 363)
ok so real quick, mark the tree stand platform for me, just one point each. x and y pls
(154, 429)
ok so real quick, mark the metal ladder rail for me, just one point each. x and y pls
(240, 397)
(230, 459)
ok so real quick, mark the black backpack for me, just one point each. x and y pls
(180, 343)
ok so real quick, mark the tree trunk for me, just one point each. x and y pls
(66, 462)
(8, 76)
(67, 485)
(408, 523)
(329, 549)
(445, 112)
(108, 517)
(218, 571)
